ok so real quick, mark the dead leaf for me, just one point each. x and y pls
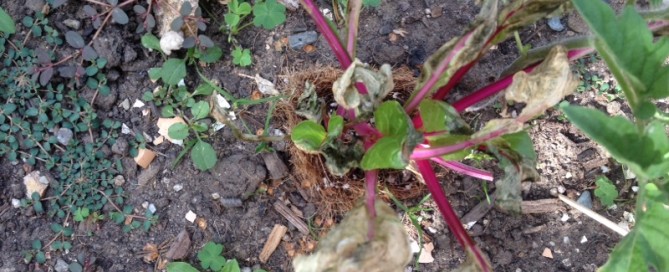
(201, 223)
(379, 84)
(346, 247)
(179, 248)
(545, 86)
(265, 86)
(256, 95)
(151, 253)
(426, 254)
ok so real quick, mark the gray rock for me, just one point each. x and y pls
(239, 176)
(61, 266)
(119, 181)
(106, 102)
(71, 23)
(148, 174)
(555, 24)
(120, 147)
(585, 200)
(108, 47)
(35, 5)
(385, 29)
(275, 165)
(299, 40)
(129, 54)
(64, 135)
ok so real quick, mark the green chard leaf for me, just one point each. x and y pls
(180, 267)
(626, 44)
(645, 152)
(308, 136)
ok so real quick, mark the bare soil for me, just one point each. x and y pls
(513, 242)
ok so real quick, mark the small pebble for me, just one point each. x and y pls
(191, 216)
(215, 196)
(138, 104)
(568, 175)
(178, 187)
(71, 23)
(145, 204)
(565, 240)
(246, 269)
(583, 239)
(125, 104)
(566, 262)
(635, 188)
(152, 208)
(585, 200)
(605, 169)
(61, 266)
(561, 189)
(16, 203)
(555, 24)
(231, 202)
(554, 191)
(64, 135)
(564, 218)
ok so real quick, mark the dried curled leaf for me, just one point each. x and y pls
(545, 86)
(378, 83)
(346, 247)
(308, 104)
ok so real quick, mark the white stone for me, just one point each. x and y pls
(171, 40)
(35, 183)
(119, 181)
(568, 175)
(138, 104)
(178, 187)
(152, 208)
(145, 204)
(215, 196)
(16, 203)
(191, 216)
(635, 188)
(583, 239)
(565, 217)
(125, 129)
(561, 189)
(605, 169)
(125, 104)
(469, 225)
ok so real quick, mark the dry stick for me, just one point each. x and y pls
(601, 219)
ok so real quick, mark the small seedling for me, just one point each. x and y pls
(241, 57)
(210, 260)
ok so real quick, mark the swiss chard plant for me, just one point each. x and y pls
(425, 130)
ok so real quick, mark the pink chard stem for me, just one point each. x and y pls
(371, 177)
(424, 152)
(449, 215)
(464, 169)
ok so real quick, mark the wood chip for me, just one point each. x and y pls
(144, 157)
(291, 217)
(272, 242)
(179, 248)
(547, 253)
(541, 206)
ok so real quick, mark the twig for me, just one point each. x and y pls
(601, 219)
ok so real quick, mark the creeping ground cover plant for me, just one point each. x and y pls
(370, 132)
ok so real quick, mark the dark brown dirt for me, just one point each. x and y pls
(513, 242)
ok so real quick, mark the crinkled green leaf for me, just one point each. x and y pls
(386, 153)
(309, 105)
(606, 191)
(644, 152)
(627, 45)
(335, 126)
(203, 155)
(210, 256)
(268, 14)
(180, 267)
(341, 157)
(391, 119)
(308, 136)
(7, 24)
(646, 245)
(440, 116)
